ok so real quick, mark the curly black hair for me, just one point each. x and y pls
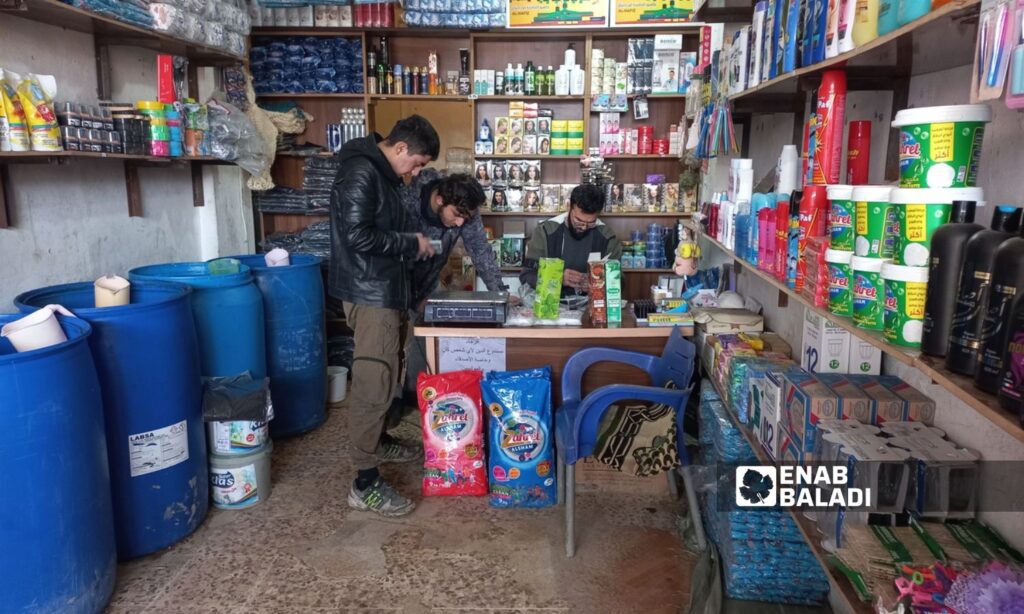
(462, 191)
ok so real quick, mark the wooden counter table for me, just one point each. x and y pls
(537, 346)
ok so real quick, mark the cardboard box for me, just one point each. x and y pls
(595, 476)
(717, 320)
(854, 403)
(919, 407)
(807, 400)
(865, 358)
(613, 290)
(888, 405)
(825, 347)
(766, 397)
(666, 63)
(790, 450)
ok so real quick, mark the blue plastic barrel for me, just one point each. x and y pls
(147, 358)
(228, 311)
(57, 551)
(293, 308)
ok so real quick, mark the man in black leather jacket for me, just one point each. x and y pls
(373, 246)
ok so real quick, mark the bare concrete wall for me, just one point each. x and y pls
(71, 220)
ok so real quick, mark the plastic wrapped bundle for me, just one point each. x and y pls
(722, 441)
(744, 370)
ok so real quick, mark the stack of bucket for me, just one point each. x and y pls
(880, 236)
(228, 313)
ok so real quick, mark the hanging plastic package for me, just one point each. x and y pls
(36, 93)
(453, 434)
(520, 446)
(17, 128)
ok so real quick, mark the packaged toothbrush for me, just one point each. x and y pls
(995, 44)
(1015, 87)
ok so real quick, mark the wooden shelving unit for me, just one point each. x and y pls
(548, 214)
(790, 79)
(846, 595)
(958, 385)
(110, 31)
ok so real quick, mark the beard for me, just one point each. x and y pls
(578, 234)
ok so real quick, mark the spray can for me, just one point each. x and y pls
(781, 235)
(813, 223)
(858, 153)
(828, 146)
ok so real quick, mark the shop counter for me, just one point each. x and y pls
(536, 346)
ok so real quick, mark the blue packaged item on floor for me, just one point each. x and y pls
(520, 445)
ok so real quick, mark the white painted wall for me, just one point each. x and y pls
(71, 220)
(1000, 176)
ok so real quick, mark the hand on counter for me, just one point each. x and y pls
(574, 279)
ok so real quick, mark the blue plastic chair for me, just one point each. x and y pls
(577, 420)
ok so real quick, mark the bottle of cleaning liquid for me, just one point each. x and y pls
(529, 80)
(909, 10)
(1007, 285)
(1011, 391)
(570, 56)
(787, 173)
(973, 291)
(946, 260)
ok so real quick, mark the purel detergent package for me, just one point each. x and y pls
(453, 434)
(522, 463)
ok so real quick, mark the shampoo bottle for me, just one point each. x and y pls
(973, 290)
(1011, 392)
(1007, 285)
(946, 260)
(865, 23)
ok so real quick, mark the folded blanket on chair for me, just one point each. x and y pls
(638, 439)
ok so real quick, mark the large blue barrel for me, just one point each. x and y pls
(293, 308)
(57, 550)
(228, 311)
(147, 358)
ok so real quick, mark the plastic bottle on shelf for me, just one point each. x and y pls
(1011, 390)
(787, 173)
(577, 81)
(1007, 286)
(510, 80)
(519, 81)
(888, 16)
(529, 80)
(570, 55)
(562, 81)
(847, 18)
(865, 23)
(909, 10)
(549, 80)
(973, 291)
(947, 258)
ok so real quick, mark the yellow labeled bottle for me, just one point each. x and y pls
(865, 22)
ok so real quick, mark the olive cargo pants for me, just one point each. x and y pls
(380, 336)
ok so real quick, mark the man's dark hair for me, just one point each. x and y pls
(416, 132)
(462, 191)
(588, 197)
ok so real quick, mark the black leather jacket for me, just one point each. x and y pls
(372, 243)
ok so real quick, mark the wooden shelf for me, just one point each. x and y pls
(960, 386)
(15, 156)
(356, 32)
(531, 98)
(847, 595)
(942, 12)
(527, 157)
(671, 214)
(657, 96)
(641, 157)
(424, 97)
(311, 95)
(108, 30)
(732, 13)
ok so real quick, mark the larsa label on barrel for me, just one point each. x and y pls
(155, 450)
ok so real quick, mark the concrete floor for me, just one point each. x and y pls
(304, 550)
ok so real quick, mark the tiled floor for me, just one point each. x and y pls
(303, 550)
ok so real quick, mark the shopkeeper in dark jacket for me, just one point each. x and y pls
(576, 237)
(373, 247)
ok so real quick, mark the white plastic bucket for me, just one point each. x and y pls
(37, 330)
(112, 291)
(337, 384)
(277, 257)
(236, 437)
(241, 481)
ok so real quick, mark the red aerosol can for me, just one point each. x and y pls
(858, 153)
(828, 143)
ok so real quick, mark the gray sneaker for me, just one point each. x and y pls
(398, 451)
(380, 498)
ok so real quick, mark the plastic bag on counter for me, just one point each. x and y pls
(233, 137)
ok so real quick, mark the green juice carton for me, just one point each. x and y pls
(613, 290)
(549, 288)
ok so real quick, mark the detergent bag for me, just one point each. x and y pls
(453, 434)
(521, 451)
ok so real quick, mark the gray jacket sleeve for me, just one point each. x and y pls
(474, 238)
